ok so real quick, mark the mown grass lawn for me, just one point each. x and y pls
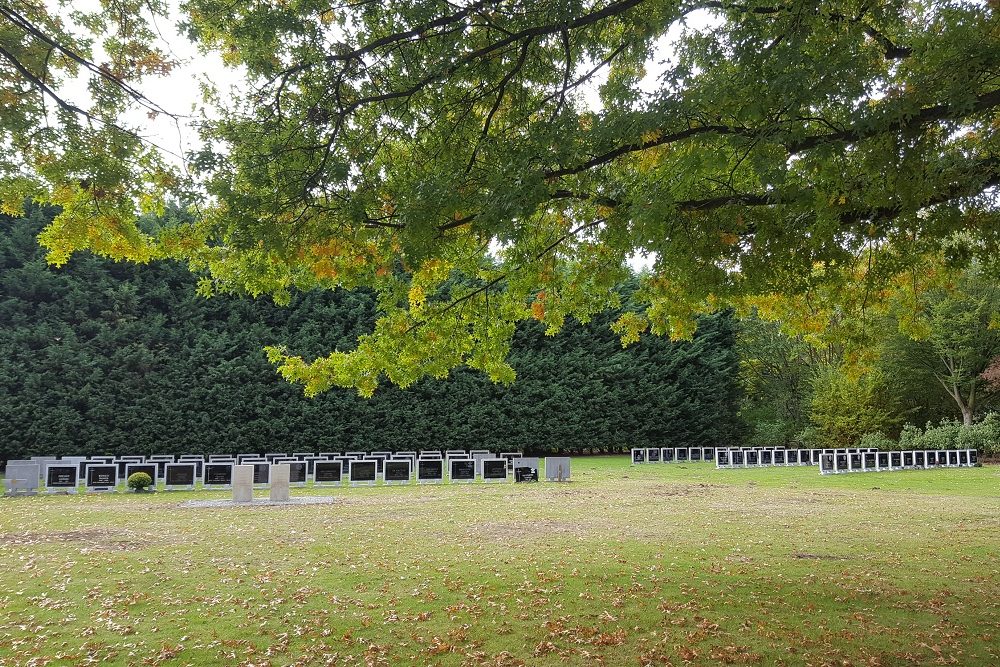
(658, 564)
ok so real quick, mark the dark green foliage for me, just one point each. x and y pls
(101, 357)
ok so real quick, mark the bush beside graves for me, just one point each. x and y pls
(946, 434)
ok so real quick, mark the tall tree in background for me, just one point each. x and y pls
(120, 358)
(953, 342)
(399, 146)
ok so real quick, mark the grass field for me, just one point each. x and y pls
(658, 564)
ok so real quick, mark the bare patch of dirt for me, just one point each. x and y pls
(91, 539)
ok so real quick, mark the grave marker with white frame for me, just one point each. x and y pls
(328, 473)
(180, 476)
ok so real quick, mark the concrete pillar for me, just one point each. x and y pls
(242, 484)
(280, 474)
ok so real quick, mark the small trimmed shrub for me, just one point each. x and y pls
(139, 481)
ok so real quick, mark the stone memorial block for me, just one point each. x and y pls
(397, 472)
(854, 461)
(60, 477)
(298, 473)
(653, 455)
(908, 459)
(462, 471)
(363, 472)
(792, 457)
(963, 457)
(455, 453)
(952, 457)
(218, 475)
(667, 454)
(430, 471)
(722, 459)
(931, 458)
(328, 473)
(840, 461)
(243, 483)
(681, 454)
(261, 474)
(479, 457)
(280, 477)
(638, 455)
(895, 459)
(22, 479)
(814, 455)
(495, 470)
(827, 464)
(738, 458)
(919, 459)
(431, 453)
(752, 458)
(526, 469)
(882, 461)
(973, 457)
(779, 457)
(694, 454)
(101, 477)
(766, 457)
(557, 468)
(405, 455)
(869, 462)
(219, 457)
(708, 453)
(180, 476)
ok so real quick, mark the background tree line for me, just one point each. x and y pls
(119, 358)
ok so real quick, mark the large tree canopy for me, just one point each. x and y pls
(448, 155)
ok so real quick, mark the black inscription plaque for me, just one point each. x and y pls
(218, 474)
(363, 471)
(753, 458)
(494, 469)
(261, 473)
(739, 458)
(883, 460)
(179, 474)
(430, 470)
(722, 460)
(826, 463)
(327, 472)
(696, 453)
(298, 472)
(681, 454)
(667, 454)
(653, 455)
(61, 477)
(766, 457)
(396, 471)
(463, 470)
(102, 476)
(869, 460)
(638, 456)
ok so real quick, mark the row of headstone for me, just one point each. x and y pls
(779, 456)
(672, 454)
(96, 476)
(161, 461)
(842, 461)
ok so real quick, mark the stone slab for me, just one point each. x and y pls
(281, 474)
(243, 484)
